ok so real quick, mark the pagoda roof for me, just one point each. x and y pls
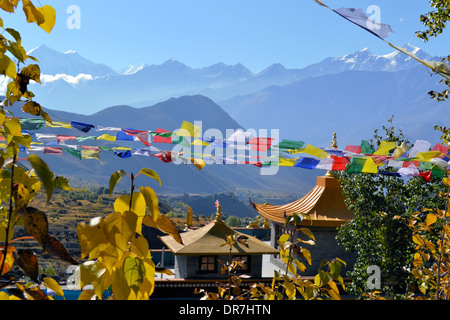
(324, 204)
(209, 239)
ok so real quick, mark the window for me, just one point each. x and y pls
(245, 260)
(208, 264)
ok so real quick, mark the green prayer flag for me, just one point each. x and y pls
(75, 153)
(32, 124)
(366, 148)
(291, 144)
(356, 165)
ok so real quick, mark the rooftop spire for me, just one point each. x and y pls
(333, 145)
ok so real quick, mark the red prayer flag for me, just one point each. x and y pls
(52, 150)
(159, 139)
(354, 149)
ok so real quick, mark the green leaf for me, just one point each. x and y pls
(150, 173)
(114, 179)
(43, 172)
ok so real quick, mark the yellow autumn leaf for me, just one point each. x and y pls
(121, 228)
(8, 67)
(138, 205)
(152, 201)
(431, 218)
(86, 294)
(90, 236)
(49, 14)
(32, 14)
(53, 285)
(8, 5)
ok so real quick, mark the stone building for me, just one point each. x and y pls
(326, 207)
(202, 249)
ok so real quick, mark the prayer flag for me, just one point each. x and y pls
(32, 124)
(75, 153)
(291, 144)
(366, 148)
(358, 17)
(384, 148)
(106, 137)
(307, 163)
(58, 124)
(400, 150)
(260, 144)
(52, 150)
(62, 138)
(315, 151)
(162, 136)
(121, 135)
(123, 155)
(90, 154)
(141, 135)
(84, 127)
(354, 149)
(189, 130)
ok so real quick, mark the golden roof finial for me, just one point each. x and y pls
(334, 141)
(218, 212)
(333, 145)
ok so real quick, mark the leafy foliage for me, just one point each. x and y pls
(288, 285)
(118, 255)
(19, 186)
(436, 21)
(374, 234)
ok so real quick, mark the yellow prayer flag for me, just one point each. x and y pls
(107, 137)
(370, 166)
(90, 154)
(199, 163)
(283, 162)
(200, 143)
(384, 148)
(189, 130)
(315, 151)
(427, 155)
(400, 150)
(121, 148)
(58, 124)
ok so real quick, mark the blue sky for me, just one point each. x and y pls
(199, 33)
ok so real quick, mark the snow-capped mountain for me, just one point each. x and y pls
(69, 63)
(364, 60)
(73, 83)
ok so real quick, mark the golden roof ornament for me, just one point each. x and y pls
(333, 145)
(218, 212)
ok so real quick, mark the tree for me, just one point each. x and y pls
(19, 186)
(435, 21)
(374, 234)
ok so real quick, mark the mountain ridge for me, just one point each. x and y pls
(148, 84)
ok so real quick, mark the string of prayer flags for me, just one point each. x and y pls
(382, 31)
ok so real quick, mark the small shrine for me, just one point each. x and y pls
(199, 255)
(327, 210)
